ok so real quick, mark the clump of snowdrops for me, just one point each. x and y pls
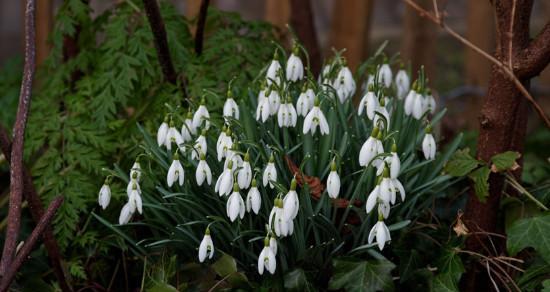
(293, 170)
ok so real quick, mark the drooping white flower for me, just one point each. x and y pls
(344, 84)
(201, 118)
(278, 222)
(225, 181)
(133, 181)
(173, 136)
(203, 172)
(187, 129)
(233, 155)
(175, 172)
(287, 117)
(370, 149)
(418, 106)
(294, 68)
(230, 108)
(135, 199)
(373, 198)
(315, 118)
(384, 209)
(291, 203)
(266, 259)
(135, 171)
(333, 181)
(368, 103)
(273, 244)
(381, 232)
(270, 172)
(224, 143)
(104, 196)
(200, 146)
(381, 111)
(387, 189)
(244, 176)
(428, 144)
(206, 248)
(305, 102)
(394, 162)
(409, 101)
(235, 204)
(402, 82)
(125, 214)
(398, 188)
(429, 102)
(253, 198)
(263, 110)
(274, 101)
(385, 75)
(272, 74)
(162, 132)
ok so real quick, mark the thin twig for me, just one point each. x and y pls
(201, 24)
(23, 254)
(16, 162)
(424, 13)
(511, 36)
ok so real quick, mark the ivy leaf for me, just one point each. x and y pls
(461, 163)
(296, 280)
(350, 275)
(481, 185)
(530, 232)
(449, 263)
(505, 161)
(226, 267)
(444, 283)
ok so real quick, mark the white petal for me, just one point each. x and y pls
(395, 165)
(333, 184)
(371, 200)
(161, 133)
(380, 235)
(125, 214)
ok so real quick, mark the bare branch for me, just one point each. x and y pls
(16, 161)
(424, 13)
(199, 34)
(23, 254)
(536, 56)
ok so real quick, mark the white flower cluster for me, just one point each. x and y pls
(336, 82)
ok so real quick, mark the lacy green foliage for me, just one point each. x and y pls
(10, 81)
(85, 107)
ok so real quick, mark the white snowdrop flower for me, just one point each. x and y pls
(369, 103)
(409, 100)
(200, 146)
(273, 244)
(291, 203)
(398, 188)
(305, 101)
(224, 144)
(135, 199)
(294, 67)
(315, 118)
(225, 181)
(387, 189)
(234, 156)
(173, 136)
(230, 108)
(162, 132)
(370, 149)
(333, 181)
(253, 198)
(344, 84)
(133, 181)
(201, 118)
(274, 102)
(429, 102)
(272, 74)
(381, 111)
(277, 219)
(125, 214)
(263, 110)
(135, 171)
(187, 129)
(385, 75)
(287, 117)
(384, 209)
(428, 144)
(418, 106)
(175, 172)
(381, 232)
(393, 162)
(104, 196)
(235, 204)
(373, 198)
(244, 176)
(206, 248)
(402, 82)
(282, 115)
(266, 259)
(270, 172)
(203, 172)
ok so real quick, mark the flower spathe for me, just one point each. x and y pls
(382, 234)
(203, 172)
(175, 172)
(206, 248)
(104, 196)
(315, 118)
(266, 259)
(235, 205)
(333, 182)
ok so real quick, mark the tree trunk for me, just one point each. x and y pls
(503, 122)
(418, 44)
(302, 21)
(44, 23)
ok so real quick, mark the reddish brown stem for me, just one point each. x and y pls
(37, 211)
(201, 24)
(534, 58)
(301, 20)
(16, 161)
(23, 254)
